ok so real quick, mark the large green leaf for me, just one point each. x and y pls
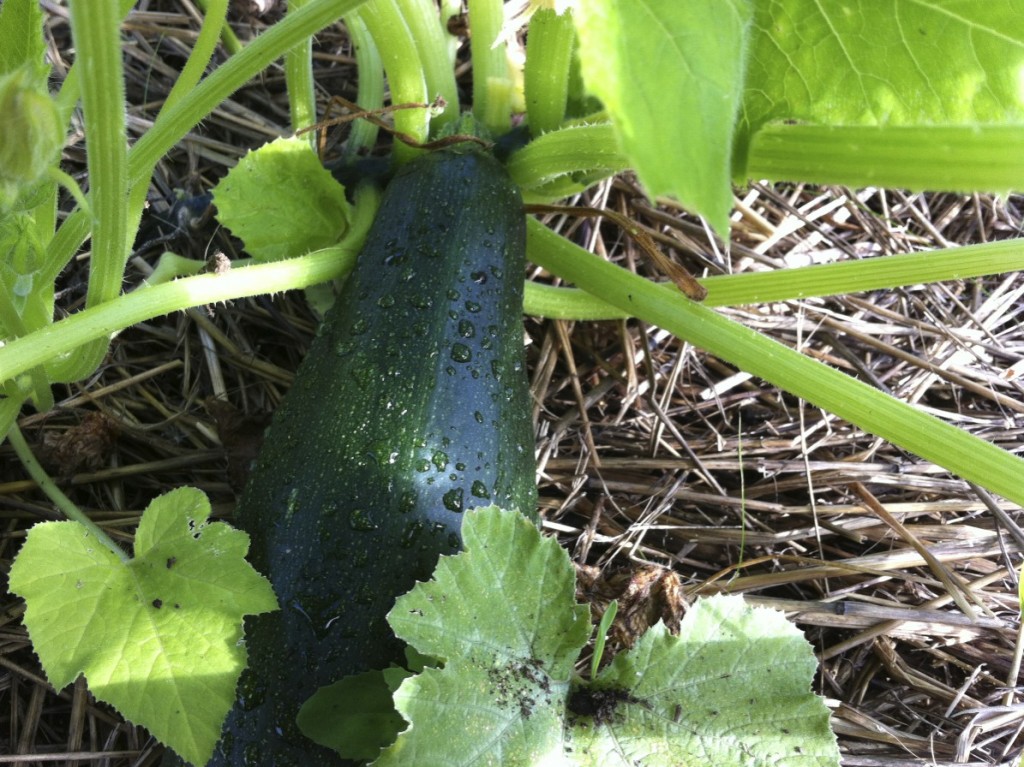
(673, 75)
(886, 62)
(670, 75)
(157, 637)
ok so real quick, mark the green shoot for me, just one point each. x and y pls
(602, 636)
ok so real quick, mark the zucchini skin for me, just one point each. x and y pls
(411, 405)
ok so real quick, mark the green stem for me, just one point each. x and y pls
(934, 157)
(549, 166)
(429, 35)
(214, 18)
(49, 344)
(67, 181)
(298, 77)
(96, 30)
(405, 71)
(492, 86)
(227, 35)
(363, 136)
(100, 322)
(804, 282)
(973, 459)
(549, 49)
(10, 406)
(54, 493)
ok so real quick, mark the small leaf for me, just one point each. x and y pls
(504, 616)
(158, 637)
(281, 201)
(355, 716)
(508, 576)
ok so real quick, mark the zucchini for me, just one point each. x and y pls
(411, 406)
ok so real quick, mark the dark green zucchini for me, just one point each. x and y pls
(411, 406)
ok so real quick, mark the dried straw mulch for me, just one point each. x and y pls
(666, 473)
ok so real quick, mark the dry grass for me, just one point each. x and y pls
(651, 454)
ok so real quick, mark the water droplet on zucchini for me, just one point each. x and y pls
(360, 520)
(453, 499)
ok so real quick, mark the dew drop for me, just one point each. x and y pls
(361, 521)
(410, 534)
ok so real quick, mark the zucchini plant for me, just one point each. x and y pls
(693, 96)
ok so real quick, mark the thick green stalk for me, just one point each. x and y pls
(82, 363)
(973, 459)
(429, 35)
(803, 282)
(298, 77)
(867, 274)
(546, 76)
(65, 336)
(548, 167)
(96, 30)
(100, 322)
(492, 86)
(935, 157)
(363, 135)
(398, 50)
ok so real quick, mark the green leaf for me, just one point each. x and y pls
(504, 617)
(670, 75)
(356, 715)
(732, 689)
(26, 301)
(885, 62)
(281, 201)
(21, 36)
(158, 637)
